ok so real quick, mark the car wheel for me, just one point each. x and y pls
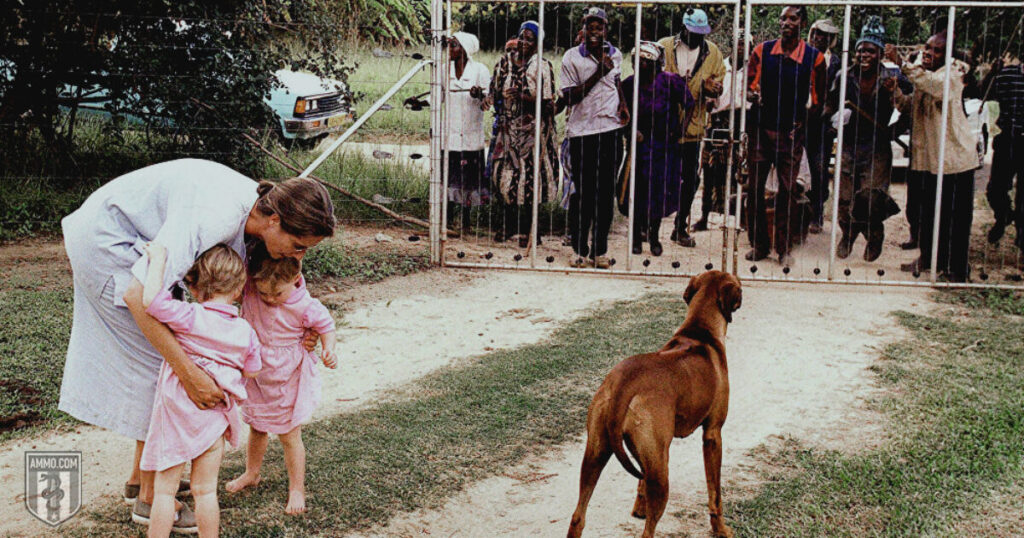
(301, 144)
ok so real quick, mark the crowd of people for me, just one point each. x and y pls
(795, 104)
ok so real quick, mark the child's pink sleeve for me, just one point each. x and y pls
(178, 315)
(253, 356)
(318, 318)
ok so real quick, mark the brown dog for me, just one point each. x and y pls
(648, 399)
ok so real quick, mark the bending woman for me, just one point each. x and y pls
(116, 348)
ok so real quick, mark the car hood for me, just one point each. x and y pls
(302, 84)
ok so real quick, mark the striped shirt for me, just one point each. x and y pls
(1008, 90)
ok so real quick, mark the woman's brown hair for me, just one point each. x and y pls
(304, 206)
(218, 271)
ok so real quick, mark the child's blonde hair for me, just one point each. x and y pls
(275, 272)
(218, 271)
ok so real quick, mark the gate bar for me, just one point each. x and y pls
(366, 116)
(885, 3)
(837, 171)
(538, 99)
(437, 197)
(937, 216)
(635, 121)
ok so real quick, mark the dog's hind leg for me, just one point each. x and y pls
(656, 487)
(713, 472)
(594, 459)
(651, 434)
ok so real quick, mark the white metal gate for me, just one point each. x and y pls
(723, 246)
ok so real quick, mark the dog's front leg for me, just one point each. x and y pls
(713, 473)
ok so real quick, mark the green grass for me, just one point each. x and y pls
(330, 260)
(454, 427)
(34, 329)
(373, 76)
(404, 185)
(956, 434)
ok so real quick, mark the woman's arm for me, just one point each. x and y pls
(155, 273)
(199, 386)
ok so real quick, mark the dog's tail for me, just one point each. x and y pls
(619, 449)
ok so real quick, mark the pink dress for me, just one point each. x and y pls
(222, 344)
(287, 389)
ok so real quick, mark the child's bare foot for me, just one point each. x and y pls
(296, 502)
(244, 481)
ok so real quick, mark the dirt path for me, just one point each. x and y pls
(797, 358)
(394, 331)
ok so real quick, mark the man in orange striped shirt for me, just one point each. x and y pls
(782, 75)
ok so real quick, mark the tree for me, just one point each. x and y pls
(153, 62)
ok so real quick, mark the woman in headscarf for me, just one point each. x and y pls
(515, 80)
(658, 155)
(468, 81)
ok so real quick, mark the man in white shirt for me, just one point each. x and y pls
(592, 88)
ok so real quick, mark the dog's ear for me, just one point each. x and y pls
(730, 296)
(691, 290)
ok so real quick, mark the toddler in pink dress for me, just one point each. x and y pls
(287, 390)
(225, 346)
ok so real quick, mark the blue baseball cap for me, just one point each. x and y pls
(595, 13)
(696, 21)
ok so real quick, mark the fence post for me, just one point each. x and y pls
(437, 197)
(936, 228)
(837, 173)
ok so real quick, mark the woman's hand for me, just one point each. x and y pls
(485, 105)
(476, 92)
(201, 389)
(310, 339)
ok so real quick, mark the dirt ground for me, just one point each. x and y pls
(798, 358)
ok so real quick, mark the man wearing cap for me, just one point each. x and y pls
(782, 75)
(700, 62)
(822, 36)
(864, 201)
(592, 88)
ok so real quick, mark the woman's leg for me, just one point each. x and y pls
(254, 453)
(163, 489)
(204, 489)
(295, 462)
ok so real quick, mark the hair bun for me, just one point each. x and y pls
(264, 187)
